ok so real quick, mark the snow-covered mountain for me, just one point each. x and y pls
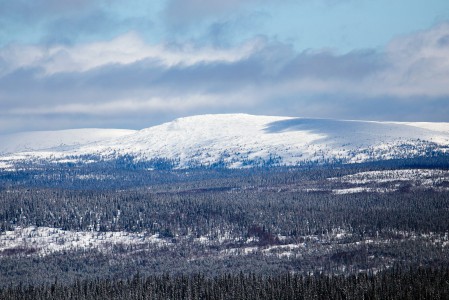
(239, 140)
(44, 140)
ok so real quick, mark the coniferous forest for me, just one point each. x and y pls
(397, 283)
(368, 231)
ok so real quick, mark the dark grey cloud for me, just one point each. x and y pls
(146, 74)
(376, 108)
(79, 94)
(354, 65)
(273, 64)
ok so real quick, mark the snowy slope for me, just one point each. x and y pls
(41, 140)
(238, 140)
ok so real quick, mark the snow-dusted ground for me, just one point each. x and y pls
(355, 190)
(42, 241)
(238, 140)
(46, 240)
(391, 180)
(423, 176)
(6, 166)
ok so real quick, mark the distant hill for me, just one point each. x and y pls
(232, 141)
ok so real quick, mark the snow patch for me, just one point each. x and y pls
(361, 190)
(46, 240)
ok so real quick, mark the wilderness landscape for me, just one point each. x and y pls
(240, 149)
(71, 218)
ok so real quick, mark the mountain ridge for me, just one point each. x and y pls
(242, 140)
(41, 140)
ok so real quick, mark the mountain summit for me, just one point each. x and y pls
(240, 140)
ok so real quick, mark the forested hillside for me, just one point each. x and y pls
(419, 283)
(72, 228)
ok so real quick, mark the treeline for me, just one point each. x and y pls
(396, 283)
(126, 172)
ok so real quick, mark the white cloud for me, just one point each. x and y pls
(415, 65)
(412, 66)
(419, 64)
(125, 49)
(257, 76)
(133, 106)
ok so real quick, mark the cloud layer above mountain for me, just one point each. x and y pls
(127, 79)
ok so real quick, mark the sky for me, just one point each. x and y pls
(134, 64)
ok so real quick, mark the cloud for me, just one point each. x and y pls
(125, 49)
(138, 83)
(121, 107)
(419, 63)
